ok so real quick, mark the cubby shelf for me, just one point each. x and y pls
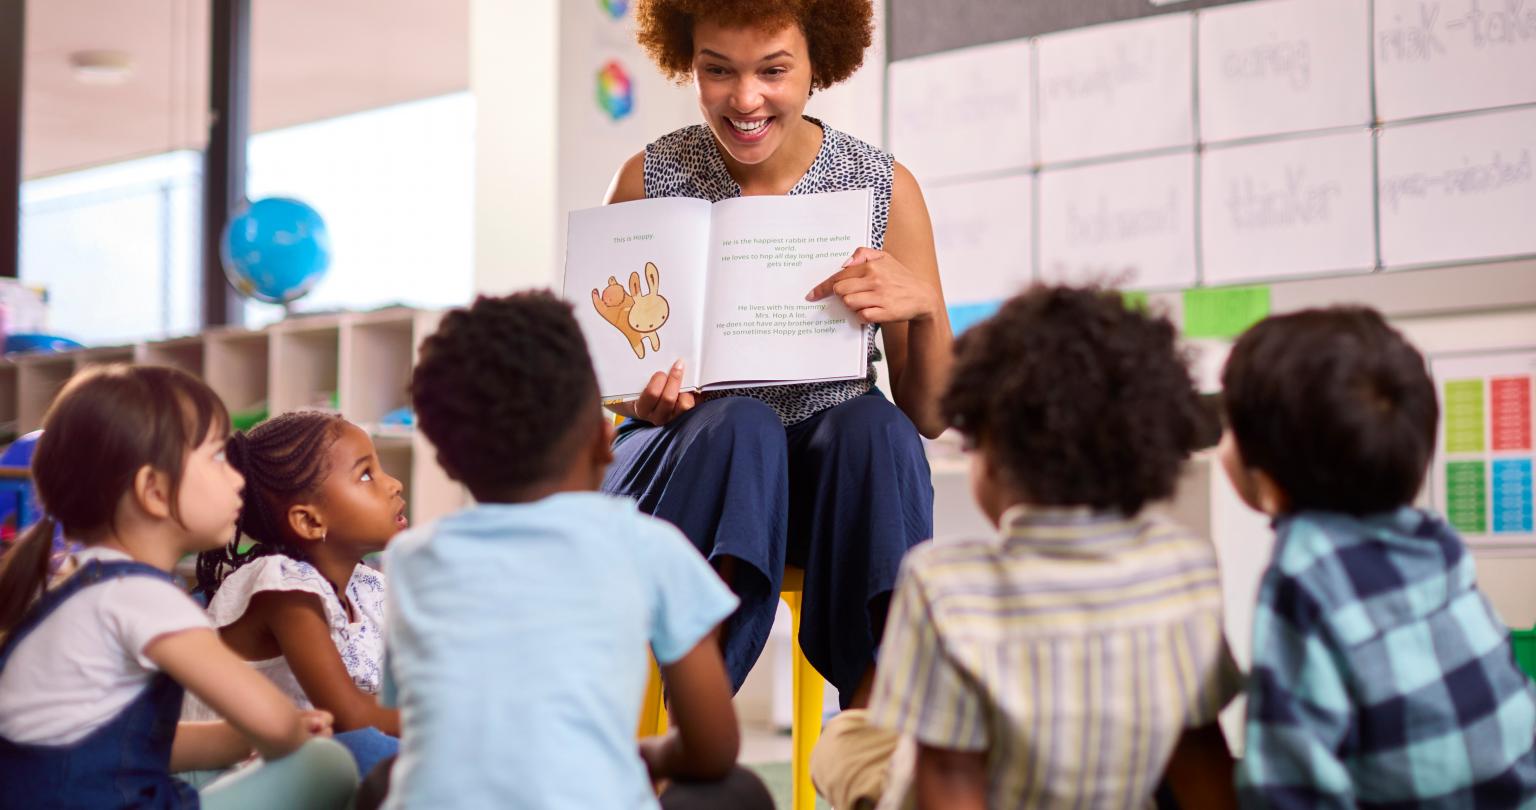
(359, 363)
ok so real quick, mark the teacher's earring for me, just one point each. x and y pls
(322, 535)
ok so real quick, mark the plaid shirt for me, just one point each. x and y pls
(1381, 676)
(1074, 650)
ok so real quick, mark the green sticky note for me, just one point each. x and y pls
(1135, 300)
(1224, 312)
(1466, 496)
(1464, 416)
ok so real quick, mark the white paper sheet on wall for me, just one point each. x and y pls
(1481, 477)
(962, 112)
(1287, 208)
(1282, 66)
(1442, 56)
(982, 232)
(1114, 89)
(1130, 221)
(1457, 189)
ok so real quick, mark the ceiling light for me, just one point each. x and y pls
(101, 67)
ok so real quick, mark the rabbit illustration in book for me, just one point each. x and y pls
(635, 314)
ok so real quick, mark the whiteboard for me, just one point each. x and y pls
(1287, 208)
(1130, 221)
(1114, 89)
(1441, 56)
(962, 112)
(982, 232)
(1281, 66)
(1461, 188)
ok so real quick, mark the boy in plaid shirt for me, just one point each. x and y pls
(1381, 676)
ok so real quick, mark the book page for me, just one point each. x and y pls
(766, 253)
(634, 272)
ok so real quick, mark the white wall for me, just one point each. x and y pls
(514, 49)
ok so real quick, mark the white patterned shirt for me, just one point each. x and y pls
(360, 643)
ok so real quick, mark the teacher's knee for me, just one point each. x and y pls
(742, 419)
(874, 421)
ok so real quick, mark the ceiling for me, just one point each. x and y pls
(310, 60)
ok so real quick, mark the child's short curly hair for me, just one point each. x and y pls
(1079, 400)
(500, 387)
(836, 31)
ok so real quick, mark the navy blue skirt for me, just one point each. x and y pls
(842, 495)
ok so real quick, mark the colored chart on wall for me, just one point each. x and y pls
(1481, 479)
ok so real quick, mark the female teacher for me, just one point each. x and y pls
(828, 476)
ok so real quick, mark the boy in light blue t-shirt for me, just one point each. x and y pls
(519, 627)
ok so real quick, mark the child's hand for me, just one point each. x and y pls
(316, 722)
(654, 752)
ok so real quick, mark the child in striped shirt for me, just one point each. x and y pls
(1381, 675)
(1076, 657)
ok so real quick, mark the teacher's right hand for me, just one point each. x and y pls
(661, 402)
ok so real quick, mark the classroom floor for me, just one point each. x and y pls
(767, 752)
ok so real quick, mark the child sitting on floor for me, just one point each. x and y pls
(1381, 676)
(1077, 656)
(519, 627)
(295, 599)
(92, 666)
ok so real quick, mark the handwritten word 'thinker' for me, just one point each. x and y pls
(1256, 205)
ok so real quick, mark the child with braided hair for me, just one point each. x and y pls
(290, 593)
(94, 662)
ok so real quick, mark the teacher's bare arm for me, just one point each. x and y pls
(628, 182)
(918, 351)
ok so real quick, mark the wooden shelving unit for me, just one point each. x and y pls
(359, 363)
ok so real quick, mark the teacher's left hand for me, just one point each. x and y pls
(879, 289)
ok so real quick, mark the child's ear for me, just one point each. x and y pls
(152, 491)
(602, 447)
(306, 522)
(1272, 499)
(1252, 485)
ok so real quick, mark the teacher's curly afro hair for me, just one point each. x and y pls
(1078, 399)
(836, 31)
(501, 389)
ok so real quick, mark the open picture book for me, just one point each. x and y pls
(721, 286)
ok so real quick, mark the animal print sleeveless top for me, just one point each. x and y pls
(687, 163)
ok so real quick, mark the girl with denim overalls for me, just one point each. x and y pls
(93, 663)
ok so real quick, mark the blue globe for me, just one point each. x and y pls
(276, 250)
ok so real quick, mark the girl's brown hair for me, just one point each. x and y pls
(106, 424)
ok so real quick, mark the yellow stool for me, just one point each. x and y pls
(806, 686)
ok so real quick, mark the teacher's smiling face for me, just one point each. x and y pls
(752, 86)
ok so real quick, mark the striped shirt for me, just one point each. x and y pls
(1074, 649)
